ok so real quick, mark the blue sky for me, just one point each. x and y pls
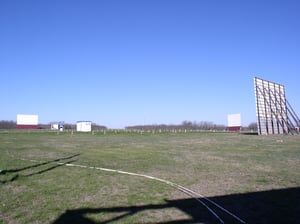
(120, 63)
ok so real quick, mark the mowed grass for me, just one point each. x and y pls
(230, 168)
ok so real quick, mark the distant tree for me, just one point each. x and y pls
(185, 125)
(252, 126)
(69, 126)
(7, 124)
(98, 127)
(44, 126)
(205, 125)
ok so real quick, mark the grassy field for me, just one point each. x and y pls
(255, 177)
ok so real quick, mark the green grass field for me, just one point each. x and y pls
(255, 177)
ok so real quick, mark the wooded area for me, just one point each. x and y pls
(185, 125)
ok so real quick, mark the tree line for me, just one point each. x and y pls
(12, 125)
(7, 124)
(185, 125)
(188, 125)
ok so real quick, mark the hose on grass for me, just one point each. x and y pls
(197, 196)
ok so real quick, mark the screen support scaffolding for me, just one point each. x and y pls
(274, 114)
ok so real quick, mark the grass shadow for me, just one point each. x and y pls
(49, 168)
(189, 206)
(12, 179)
(41, 164)
(249, 133)
(274, 206)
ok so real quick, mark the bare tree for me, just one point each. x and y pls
(252, 126)
(7, 124)
(185, 125)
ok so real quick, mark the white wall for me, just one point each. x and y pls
(84, 126)
(24, 119)
(54, 126)
(234, 120)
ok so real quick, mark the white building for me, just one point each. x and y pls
(234, 122)
(26, 121)
(84, 126)
(57, 126)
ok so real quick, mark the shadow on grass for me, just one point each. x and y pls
(18, 170)
(49, 168)
(249, 133)
(274, 206)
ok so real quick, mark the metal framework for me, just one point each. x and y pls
(274, 114)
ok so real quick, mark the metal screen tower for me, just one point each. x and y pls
(274, 113)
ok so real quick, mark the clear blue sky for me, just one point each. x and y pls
(124, 62)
